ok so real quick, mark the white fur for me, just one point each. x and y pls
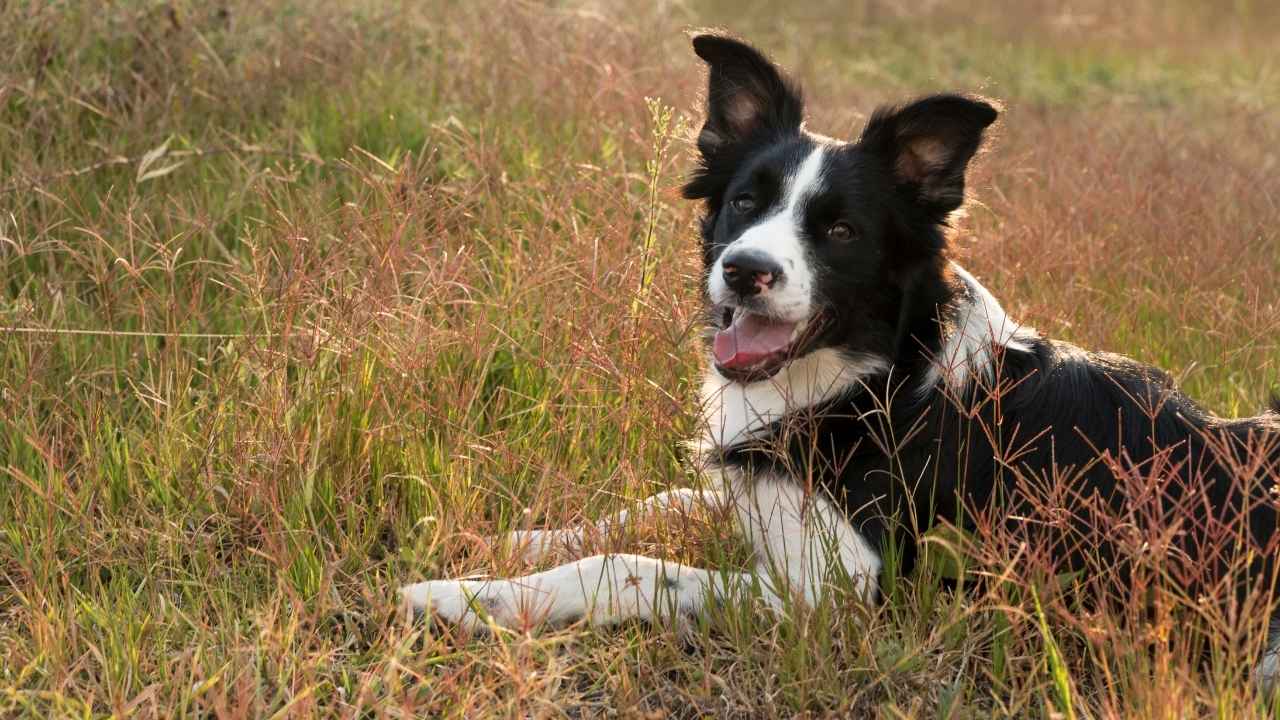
(732, 411)
(1267, 673)
(800, 538)
(797, 535)
(603, 589)
(779, 236)
(968, 352)
(535, 545)
(806, 539)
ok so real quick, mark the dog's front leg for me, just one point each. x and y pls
(535, 545)
(806, 539)
(603, 589)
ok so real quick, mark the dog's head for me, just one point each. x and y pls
(808, 242)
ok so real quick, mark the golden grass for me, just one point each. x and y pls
(390, 303)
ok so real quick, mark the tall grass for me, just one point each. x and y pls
(305, 300)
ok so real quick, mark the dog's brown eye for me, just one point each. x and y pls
(743, 204)
(840, 232)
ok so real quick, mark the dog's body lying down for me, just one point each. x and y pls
(857, 375)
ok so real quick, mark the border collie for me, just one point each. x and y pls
(852, 373)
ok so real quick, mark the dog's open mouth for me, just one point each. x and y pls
(752, 347)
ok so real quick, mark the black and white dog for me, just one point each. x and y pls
(848, 400)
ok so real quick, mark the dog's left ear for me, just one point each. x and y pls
(927, 146)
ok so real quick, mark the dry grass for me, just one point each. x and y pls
(387, 284)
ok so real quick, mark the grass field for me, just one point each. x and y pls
(301, 301)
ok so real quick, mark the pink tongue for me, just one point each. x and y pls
(750, 339)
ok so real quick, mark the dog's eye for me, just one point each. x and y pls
(743, 204)
(840, 232)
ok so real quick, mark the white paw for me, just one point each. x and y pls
(455, 602)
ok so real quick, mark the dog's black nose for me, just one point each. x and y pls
(750, 273)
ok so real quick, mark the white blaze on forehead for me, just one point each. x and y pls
(779, 236)
(805, 182)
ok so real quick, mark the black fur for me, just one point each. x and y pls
(1088, 417)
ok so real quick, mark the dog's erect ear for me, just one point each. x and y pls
(746, 94)
(928, 144)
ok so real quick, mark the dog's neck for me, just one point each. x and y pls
(972, 324)
(975, 326)
(733, 412)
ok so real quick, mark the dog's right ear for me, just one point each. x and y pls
(747, 96)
